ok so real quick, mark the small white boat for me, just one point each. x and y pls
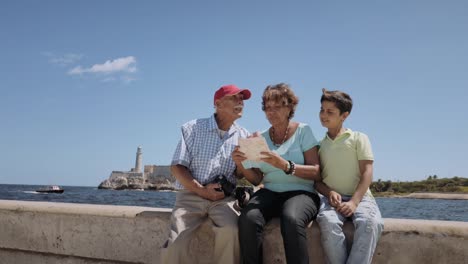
(50, 189)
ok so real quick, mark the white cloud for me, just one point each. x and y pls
(126, 79)
(125, 64)
(63, 60)
(108, 79)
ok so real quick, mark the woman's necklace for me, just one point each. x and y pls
(272, 135)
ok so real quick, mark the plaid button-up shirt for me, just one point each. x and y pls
(204, 153)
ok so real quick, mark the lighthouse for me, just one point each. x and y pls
(138, 159)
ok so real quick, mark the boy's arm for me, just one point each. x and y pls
(366, 169)
(334, 198)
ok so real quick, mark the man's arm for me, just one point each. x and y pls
(183, 175)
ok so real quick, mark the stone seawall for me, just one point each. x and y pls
(40, 232)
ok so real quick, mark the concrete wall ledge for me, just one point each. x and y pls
(41, 232)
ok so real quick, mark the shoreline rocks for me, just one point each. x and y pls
(447, 196)
(156, 178)
(422, 195)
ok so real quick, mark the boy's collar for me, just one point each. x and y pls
(347, 131)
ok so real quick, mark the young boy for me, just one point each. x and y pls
(346, 160)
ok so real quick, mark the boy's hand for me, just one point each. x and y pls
(347, 208)
(334, 199)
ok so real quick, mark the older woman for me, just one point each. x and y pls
(287, 172)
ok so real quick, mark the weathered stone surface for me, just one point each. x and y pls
(87, 233)
(106, 184)
(41, 232)
(121, 183)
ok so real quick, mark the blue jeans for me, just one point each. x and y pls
(295, 208)
(368, 225)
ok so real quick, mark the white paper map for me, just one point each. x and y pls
(252, 147)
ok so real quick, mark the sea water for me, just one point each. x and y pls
(429, 209)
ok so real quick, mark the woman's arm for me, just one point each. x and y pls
(254, 176)
(310, 170)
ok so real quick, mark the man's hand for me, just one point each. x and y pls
(211, 192)
(347, 208)
(334, 199)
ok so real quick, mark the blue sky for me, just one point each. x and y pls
(84, 83)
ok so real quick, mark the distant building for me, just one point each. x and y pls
(152, 178)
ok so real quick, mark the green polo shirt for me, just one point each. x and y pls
(339, 160)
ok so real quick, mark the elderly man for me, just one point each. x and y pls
(201, 162)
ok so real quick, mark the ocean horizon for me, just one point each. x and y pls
(390, 207)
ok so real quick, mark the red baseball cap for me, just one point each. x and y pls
(231, 89)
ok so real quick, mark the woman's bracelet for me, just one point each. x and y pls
(292, 168)
(287, 167)
(293, 171)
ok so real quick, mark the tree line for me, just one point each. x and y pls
(431, 184)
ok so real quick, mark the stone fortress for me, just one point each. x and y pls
(153, 177)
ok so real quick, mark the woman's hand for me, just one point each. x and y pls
(238, 156)
(254, 176)
(255, 134)
(274, 159)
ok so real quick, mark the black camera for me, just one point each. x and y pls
(226, 186)
(243, 195)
